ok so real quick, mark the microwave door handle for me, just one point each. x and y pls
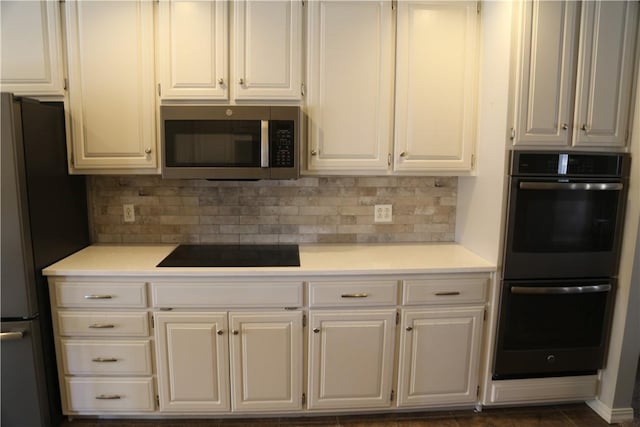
(264, 144)
(559, 290)
(602, 186)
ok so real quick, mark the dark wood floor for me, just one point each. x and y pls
(574, 415)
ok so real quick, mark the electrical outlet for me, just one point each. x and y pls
(129, 213)
(382, 213)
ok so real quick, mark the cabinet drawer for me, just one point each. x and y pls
(353, 293)
(103, 324)
(445, 290)
(107, 394)
(81, 357)
(227, 295)
(96, 294)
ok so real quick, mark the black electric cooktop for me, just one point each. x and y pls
(233, 256)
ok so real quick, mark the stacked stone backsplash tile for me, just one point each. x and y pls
(308, 210)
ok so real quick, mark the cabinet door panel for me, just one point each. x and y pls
(436, 85)
(605, 68)
(350, 85)
(31, 47)
(111, 88)
(267, 49)
(439, 356)
(351, 358)
(266, 355)
(193, 53)
(545, 101)
(193, 363)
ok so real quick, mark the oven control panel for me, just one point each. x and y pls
(573, 164)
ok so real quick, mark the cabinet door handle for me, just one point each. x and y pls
(147, 150)
(220, 332)
(316, 330)
(235, 332)
(98, 297)
(584, 127)
(109, 397)
(104, 359)
(314, 152)
(409, 328)
(241, 81)
(221, 81)
(447, 293)
(565, 126)
(360, 295)
(403, 154)
(102, 326)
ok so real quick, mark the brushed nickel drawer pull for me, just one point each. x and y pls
(98, 297)
(362, 295)
(102, 326)
(109, 397)
(104, 359)
(447, 293)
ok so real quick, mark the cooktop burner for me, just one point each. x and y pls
(233, 256)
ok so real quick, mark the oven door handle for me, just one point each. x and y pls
(559, 290)
(601, 186)
(264, 143)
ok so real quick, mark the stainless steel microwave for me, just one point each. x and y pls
(230, 142)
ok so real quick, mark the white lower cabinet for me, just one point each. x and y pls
(103, 344)
(373, 342)
(439, 356)
(351, 358)
(217, 361)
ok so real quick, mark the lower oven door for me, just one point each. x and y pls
(552, 328)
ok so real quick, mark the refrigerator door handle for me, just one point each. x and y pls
(12, 336)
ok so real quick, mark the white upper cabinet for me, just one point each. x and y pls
(605, 70)
(575, 73)
(351, 102)
(193, 57)
(31, 47)
(266, 46)
(545, 101)
(257, 56)
(111, 86)
(350, 93)
(436, 85)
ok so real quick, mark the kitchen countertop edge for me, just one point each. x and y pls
(315, 259)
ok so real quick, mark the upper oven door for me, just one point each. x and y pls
(216, 142)
(563, 228)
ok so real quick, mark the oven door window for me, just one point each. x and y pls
(554, 321)
(564, 220)
(212, 143)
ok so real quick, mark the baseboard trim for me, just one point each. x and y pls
(611, 415)
(543, 390)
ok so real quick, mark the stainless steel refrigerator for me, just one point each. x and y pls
(43, 219)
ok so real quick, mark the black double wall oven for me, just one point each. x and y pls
(562, 243)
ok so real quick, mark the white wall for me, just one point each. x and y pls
(614, 400)
(480, 198)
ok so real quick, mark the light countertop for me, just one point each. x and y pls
(324, 259)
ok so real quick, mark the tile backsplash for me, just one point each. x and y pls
(307, 210)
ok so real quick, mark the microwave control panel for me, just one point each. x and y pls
(282, 147)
